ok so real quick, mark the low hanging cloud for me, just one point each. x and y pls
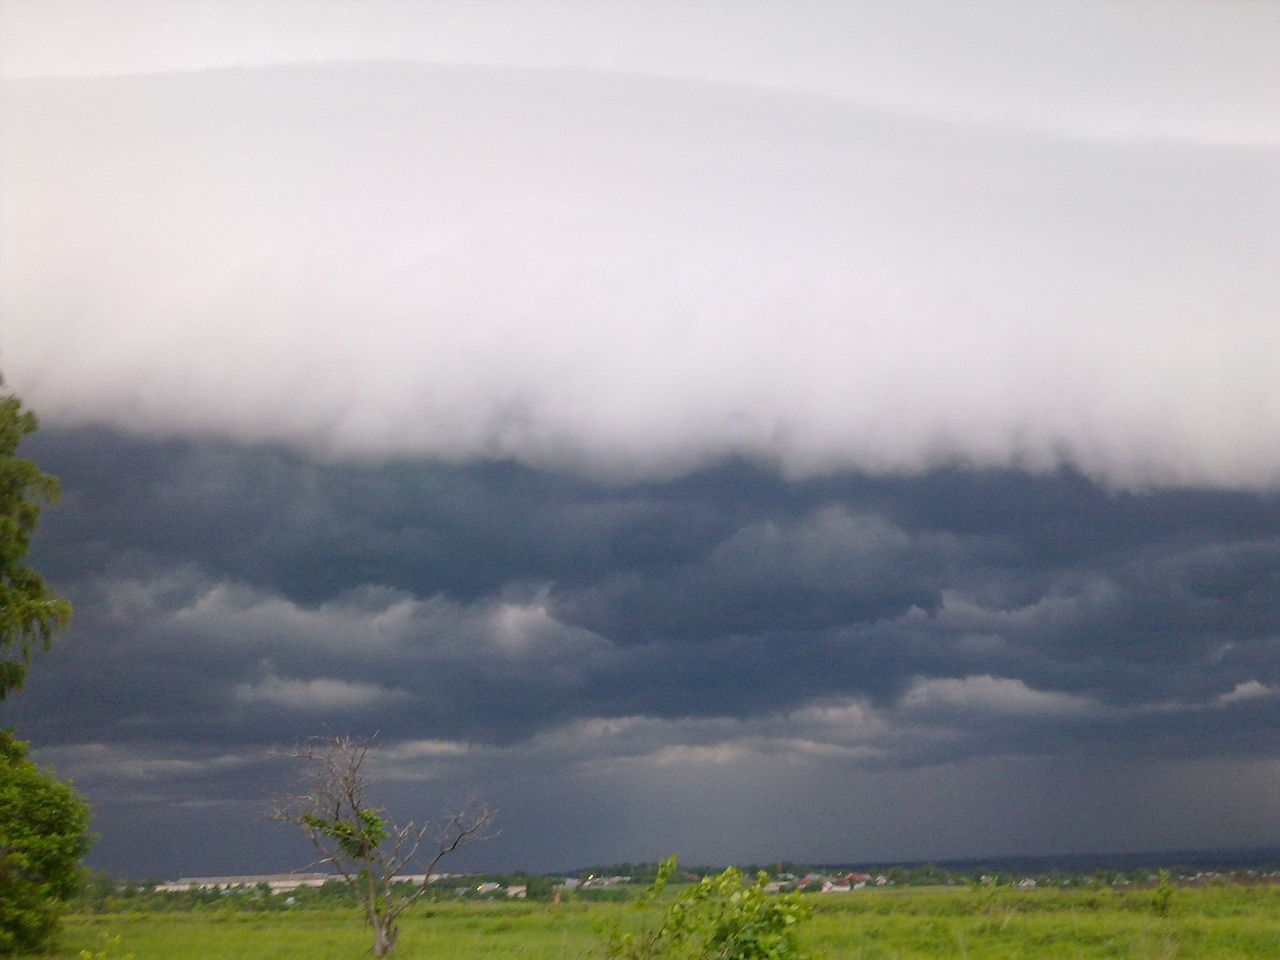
(635, 276)
(1244, 691)
(885, 621)
(314, 695)
(1001, 695)
(602, 660)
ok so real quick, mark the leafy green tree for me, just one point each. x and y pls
(42, 840)
(42, 821)
(367, 850)
(540, 888)
(720, 917)
(30, 612)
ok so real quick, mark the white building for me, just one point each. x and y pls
(277, 882)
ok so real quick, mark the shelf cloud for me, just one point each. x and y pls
(635, 276)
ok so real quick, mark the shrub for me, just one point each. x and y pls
(718, 918)
(1162, 896)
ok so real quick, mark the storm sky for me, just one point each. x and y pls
(824, 431)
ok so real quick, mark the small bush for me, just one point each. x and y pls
(1162, 896)
(718, 918)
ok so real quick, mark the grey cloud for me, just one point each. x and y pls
(500, 603)
(320, 694)
(592, 654)
(806, 573)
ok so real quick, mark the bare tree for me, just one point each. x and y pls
(367, 850)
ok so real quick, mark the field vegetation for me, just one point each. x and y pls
(973, 923)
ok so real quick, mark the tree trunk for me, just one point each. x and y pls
(384, 937)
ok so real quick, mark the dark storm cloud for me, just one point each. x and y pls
(277, 520)
(523, 634)
(237, 594)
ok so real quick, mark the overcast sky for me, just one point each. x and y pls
(753, 430)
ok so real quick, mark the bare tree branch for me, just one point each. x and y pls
(354, 838)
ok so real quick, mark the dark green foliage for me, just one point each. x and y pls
(1162, 895)
(42, 840)
(30, 612)
(358, 837)
(718, 918)
(42, 821)
(541, 889)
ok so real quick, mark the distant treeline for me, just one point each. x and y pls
(623, 881)
(1065, 869)
(1259, 860)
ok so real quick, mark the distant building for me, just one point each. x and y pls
(594, 881)
(418, 879)
(276, 882)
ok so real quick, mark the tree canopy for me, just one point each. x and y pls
(43, 822)
(30, 612)
(42, 840)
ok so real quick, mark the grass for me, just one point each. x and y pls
(450, 932)
(902, 924)
(1222, 922)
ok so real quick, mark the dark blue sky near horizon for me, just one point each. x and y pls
(822, 430)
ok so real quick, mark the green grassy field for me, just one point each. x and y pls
(1212, 922)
